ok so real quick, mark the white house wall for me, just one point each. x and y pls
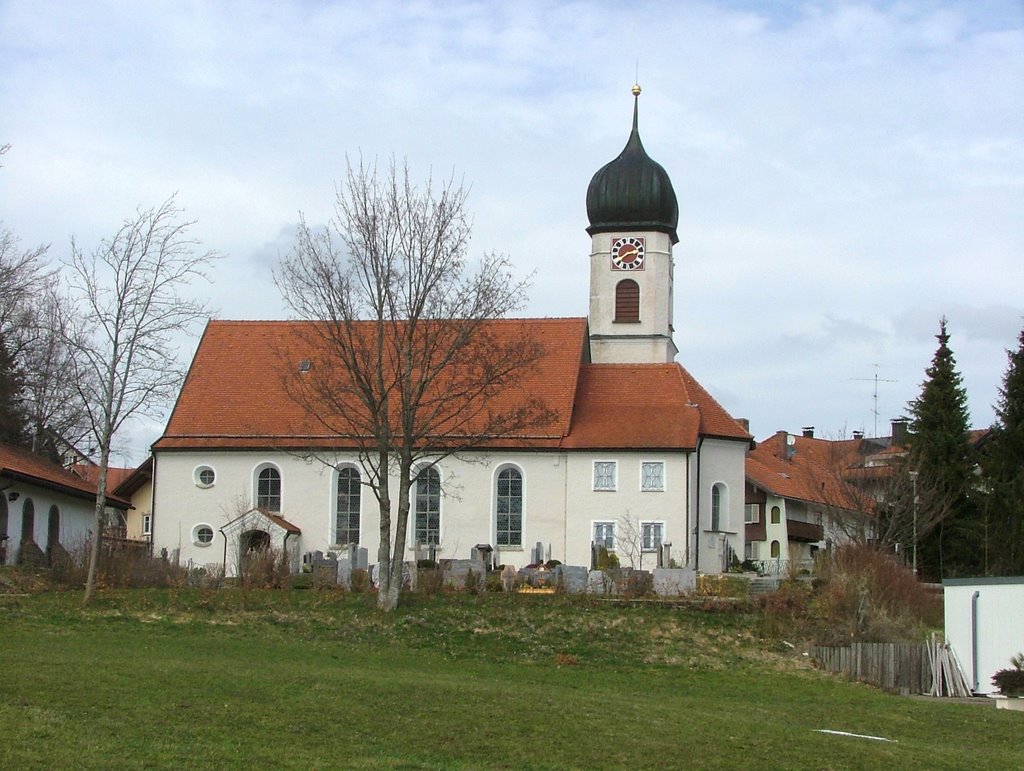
(720, 462)
(999, 621)
(76, 518)
(559, 502)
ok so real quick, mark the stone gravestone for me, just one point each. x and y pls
(572, 578)
(345, 573)
(673, 582)
(455, 574)
(599, 582)
(361, 561)
(508, 578)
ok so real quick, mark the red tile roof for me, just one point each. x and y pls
(25, 466)
(235, 395)
(814, 472)
(90, 473)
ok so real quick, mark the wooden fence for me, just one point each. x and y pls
(902, 667)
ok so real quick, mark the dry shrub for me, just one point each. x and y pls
(359, 581)
(867, 595)
(785, 610)
(123, 565)
(638, 583)
(474, 582)
(265, 569)
(430, 581)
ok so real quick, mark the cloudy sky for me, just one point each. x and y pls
(847, 173)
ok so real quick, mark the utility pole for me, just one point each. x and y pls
(913, 483)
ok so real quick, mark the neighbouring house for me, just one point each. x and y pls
(799, 502)
(117, 518)
(137, 487)
(984, 624)
(636, 456)
(45, 509)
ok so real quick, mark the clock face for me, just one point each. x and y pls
(628, 253)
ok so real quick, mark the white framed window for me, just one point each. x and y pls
(604, 474)
(652, 476)
(719, 506)
(346, 524)
(268, 489)
(147, 524)
(427, 507)
(750, 550)
(651, 535)
(752, 512)
(508, 507)
(204, 476)
(202, 534)
(604, 535)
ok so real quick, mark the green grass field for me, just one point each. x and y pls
(304, 679)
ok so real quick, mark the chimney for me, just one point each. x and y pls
(858, 435)
(899, 432)
(808, 432)
(744, 424)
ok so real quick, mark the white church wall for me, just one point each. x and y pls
(721, 463)
(560, 504)
(627, 505)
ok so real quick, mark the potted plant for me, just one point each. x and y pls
(1010, 683)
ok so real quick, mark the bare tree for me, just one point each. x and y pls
(58, 419)
(873, 500)
(125, 362)
(408, 359)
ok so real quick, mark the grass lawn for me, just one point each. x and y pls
(306, 679)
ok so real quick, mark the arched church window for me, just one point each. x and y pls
(268, 490)
(427, 504)
(509, 507)
(627, 301)
(347, 526)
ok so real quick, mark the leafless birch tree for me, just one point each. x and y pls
(132, 293)
(408, 360)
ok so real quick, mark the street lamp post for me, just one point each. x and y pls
(913, 482)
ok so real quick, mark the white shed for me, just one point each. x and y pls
(984, 625)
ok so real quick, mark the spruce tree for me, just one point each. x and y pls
(13, 421)
(1003, 466)
(940, 452)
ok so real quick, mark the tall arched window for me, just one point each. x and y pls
(268, 490)
(509, 507)
(719, 506)
(776, 515)
(428, 507)
(28, 521)
(347, 523)
(627, 301)
(3, 529)
(776, 550)
(53, 527)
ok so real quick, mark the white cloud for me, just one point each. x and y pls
(847, 172)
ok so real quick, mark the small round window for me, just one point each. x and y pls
(202, 535)
(205, 476)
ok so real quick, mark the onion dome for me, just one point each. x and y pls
(633, 192)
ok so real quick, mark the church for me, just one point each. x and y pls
(634, 456)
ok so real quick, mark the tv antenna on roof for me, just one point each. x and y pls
(876, 380)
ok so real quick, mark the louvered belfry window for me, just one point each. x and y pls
(627, 301)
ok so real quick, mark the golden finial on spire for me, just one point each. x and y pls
(636, 89)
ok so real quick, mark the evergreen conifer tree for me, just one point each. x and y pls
(940, 452)
(1003, 466)
(13, 421)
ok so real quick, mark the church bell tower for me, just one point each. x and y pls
(633, 215)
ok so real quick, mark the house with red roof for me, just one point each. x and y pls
(44, 508)
(631, 445)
